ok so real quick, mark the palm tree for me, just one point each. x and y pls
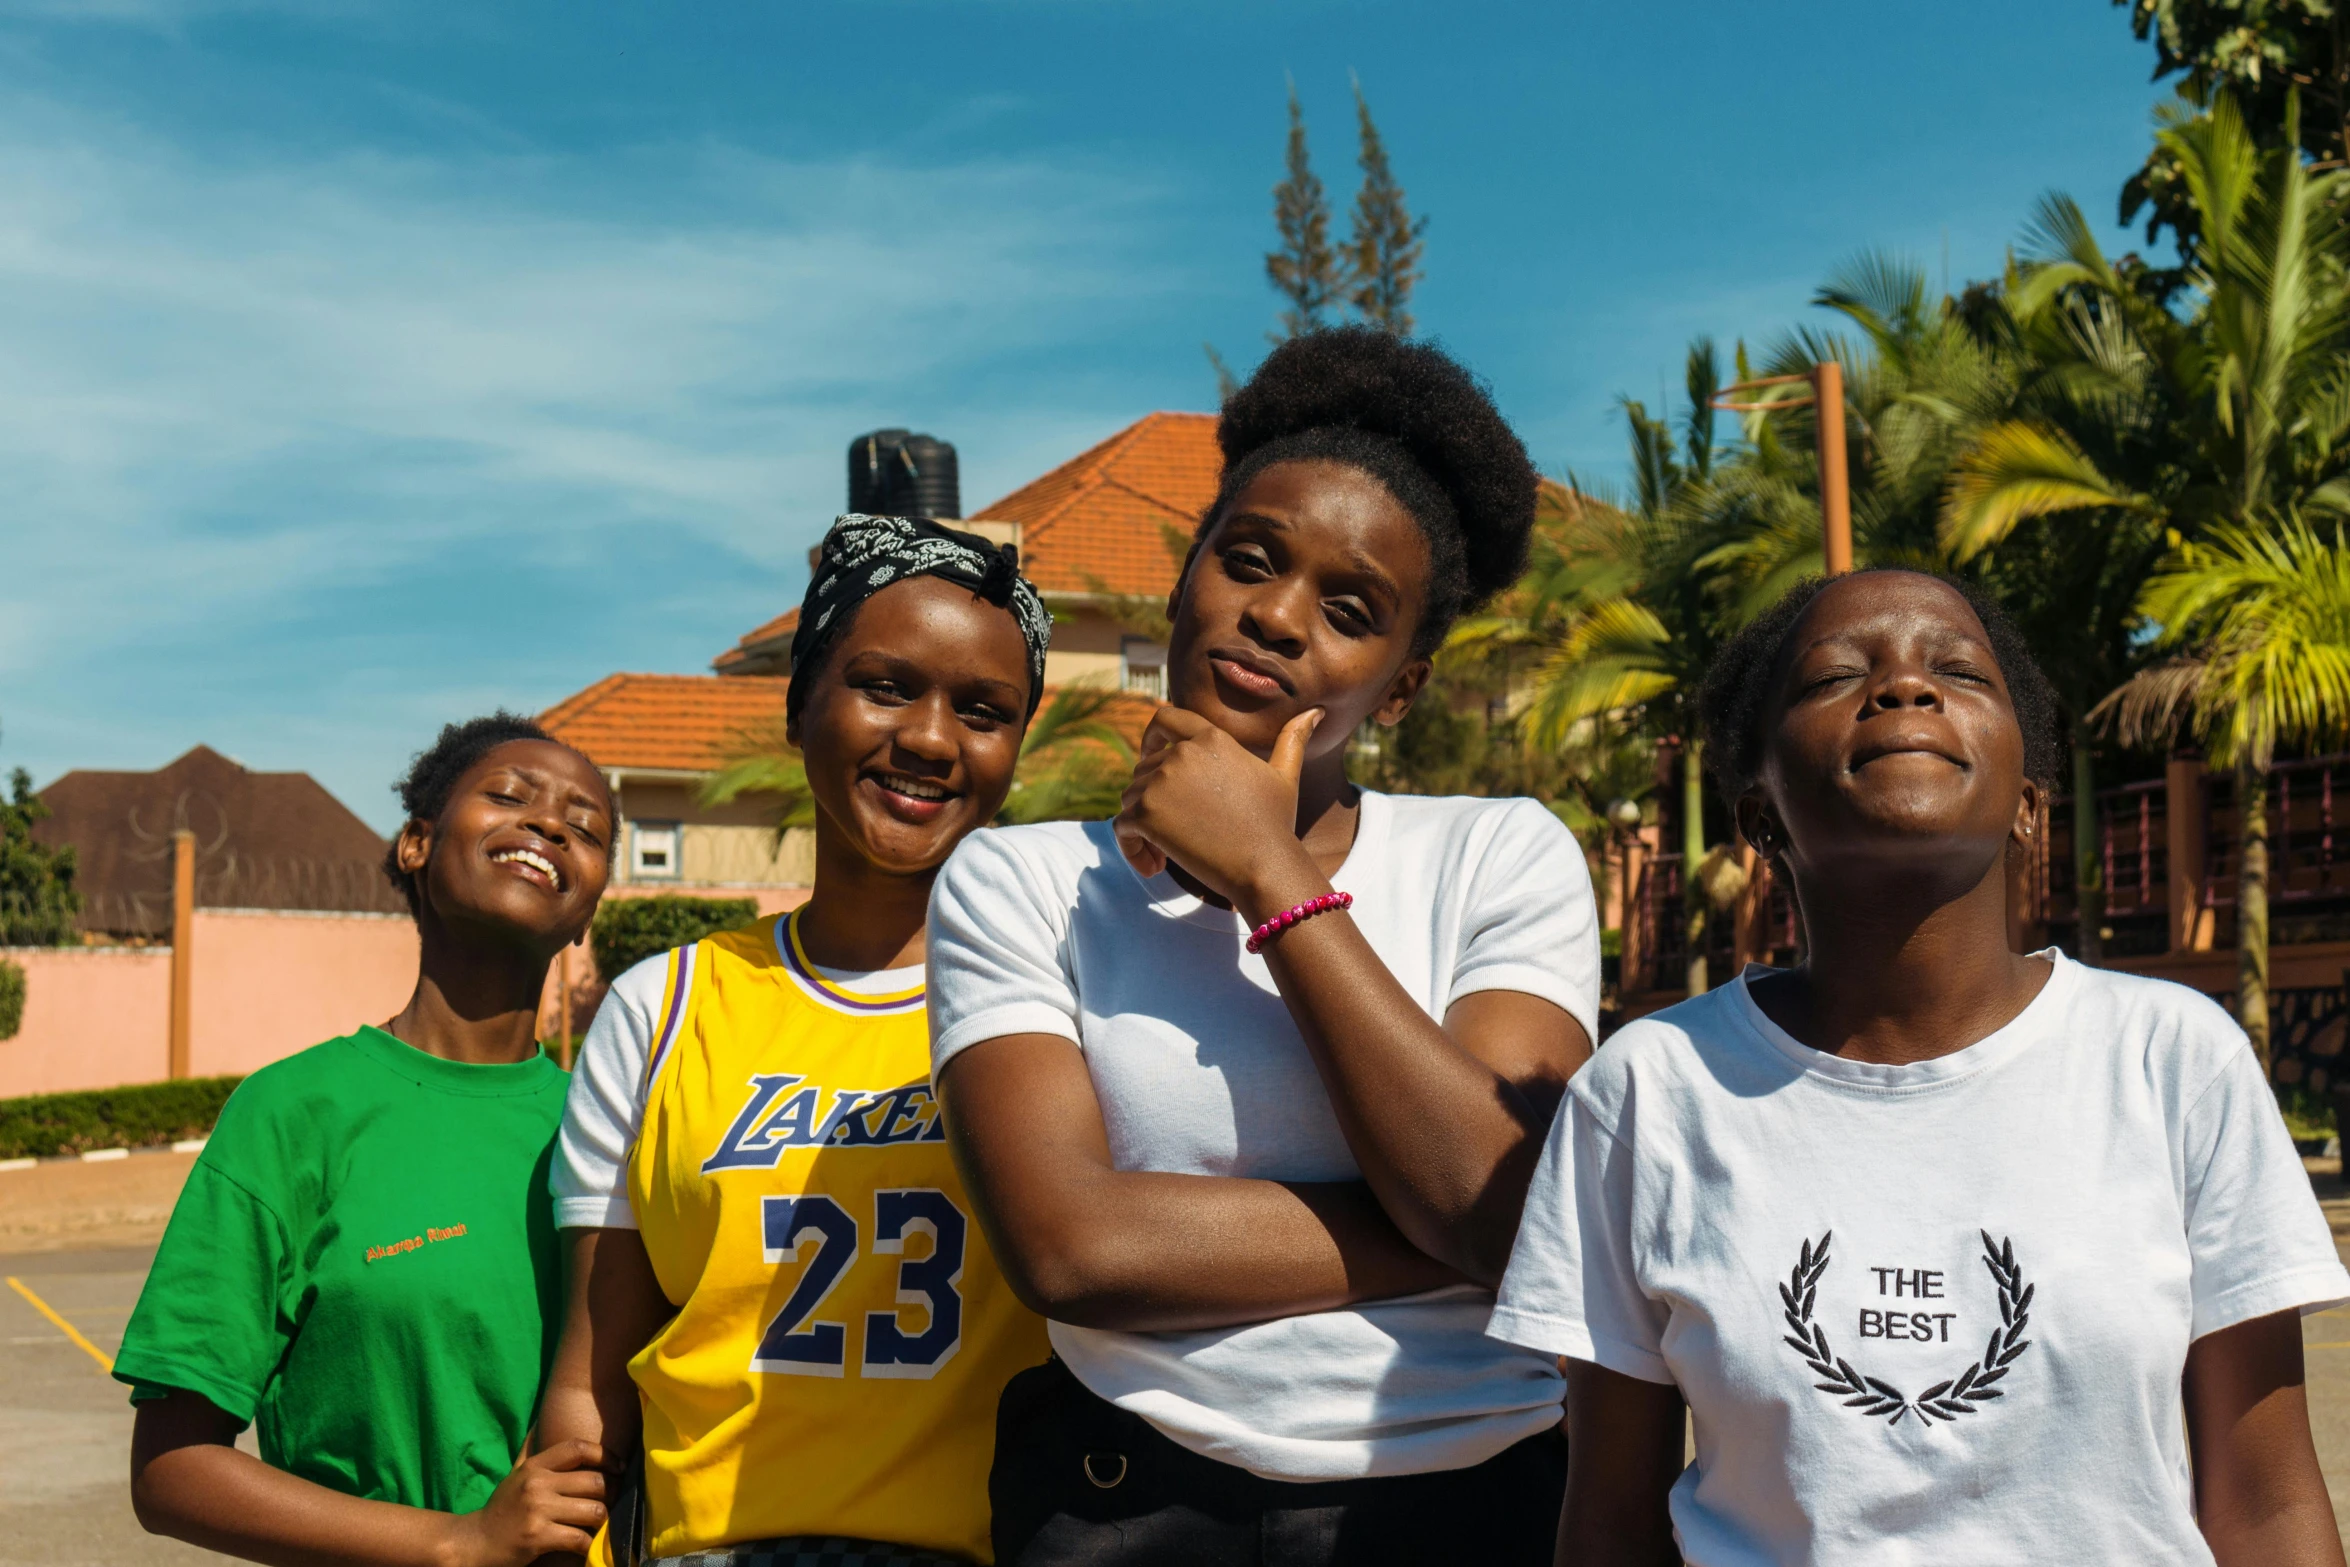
(761, 761)
(2053, 509)
(2261, 619)
(1074, 762)
(2254, 409)
(1921, 383)
(1624, 614)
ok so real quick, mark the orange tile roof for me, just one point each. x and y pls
(1100, 520)
(765, 650)
(688, 723)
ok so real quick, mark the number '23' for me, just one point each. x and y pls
(796, 1346)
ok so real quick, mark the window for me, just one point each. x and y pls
(652, 851)
(1143, 667)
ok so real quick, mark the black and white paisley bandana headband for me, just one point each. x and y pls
(862, 555)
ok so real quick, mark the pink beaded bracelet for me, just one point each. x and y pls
(1291, 916)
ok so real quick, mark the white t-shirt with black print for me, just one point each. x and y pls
(1927, 1314)
(1200, 1070)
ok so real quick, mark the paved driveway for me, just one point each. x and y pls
(65, 1424)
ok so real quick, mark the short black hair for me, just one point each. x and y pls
(1412, 417)
(804, 673)
(1736, 697)
(432, 776)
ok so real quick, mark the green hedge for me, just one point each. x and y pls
(135, 1117)
(630, 930)
(11, 998)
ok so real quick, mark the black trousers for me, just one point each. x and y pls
(1079, 1482)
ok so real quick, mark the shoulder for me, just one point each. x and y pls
(304, 1100)
(1038, 858)
(1661, 1056)
(292, 1087)
(1457, 825)
(643, 986)
(757, 945)
(2156, 1027)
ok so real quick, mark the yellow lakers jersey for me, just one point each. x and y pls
(842, 1333)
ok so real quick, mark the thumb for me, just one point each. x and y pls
(1147, 858)
(1289, 751)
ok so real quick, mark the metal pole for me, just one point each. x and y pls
(563, 1007)
(183, 924)
(1827, 380)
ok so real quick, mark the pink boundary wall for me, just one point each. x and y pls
(267, 983)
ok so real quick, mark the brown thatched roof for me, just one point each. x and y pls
(263, 841)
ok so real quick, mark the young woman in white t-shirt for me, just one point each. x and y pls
(1261, 1179)
(1956, 1254)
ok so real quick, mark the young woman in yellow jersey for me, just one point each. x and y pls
(775, 1264)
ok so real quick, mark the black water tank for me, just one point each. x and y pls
(896, 473)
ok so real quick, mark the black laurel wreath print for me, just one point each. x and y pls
(1963, 1394)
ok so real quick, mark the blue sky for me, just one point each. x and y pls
(364, 366)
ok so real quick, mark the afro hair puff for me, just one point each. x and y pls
(1412, 417)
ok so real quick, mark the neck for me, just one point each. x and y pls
(474, 1002)
(1900, 970)
(1326, 804)
(862, 916)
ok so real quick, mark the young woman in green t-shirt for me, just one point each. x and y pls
(362, 1264)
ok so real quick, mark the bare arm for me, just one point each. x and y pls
(1625, 1440)
(2259, 1495)
(189, 1481)
(1086, 1243)
(615, 1306)
(1445, 1121)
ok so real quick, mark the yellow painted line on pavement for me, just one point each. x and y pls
(2331, 1344)
(105, 1362)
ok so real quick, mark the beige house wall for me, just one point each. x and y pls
(1084, 649)
(714, 856)
(730, 846)
(1088, 647)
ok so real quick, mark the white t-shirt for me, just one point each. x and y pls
(606, 1106)
(1047, 930)
(1926, 1314)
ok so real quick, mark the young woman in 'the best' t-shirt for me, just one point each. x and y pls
(1256, 1155)
(1956, 1254)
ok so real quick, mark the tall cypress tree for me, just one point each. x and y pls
(1385, 245)
(1307, 271)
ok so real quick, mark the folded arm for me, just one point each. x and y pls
(1446, 1122)
(1086, 1243)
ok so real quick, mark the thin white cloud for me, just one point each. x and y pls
(248, 405)
(694, 345)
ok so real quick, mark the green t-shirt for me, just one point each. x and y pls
(363, 1263)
